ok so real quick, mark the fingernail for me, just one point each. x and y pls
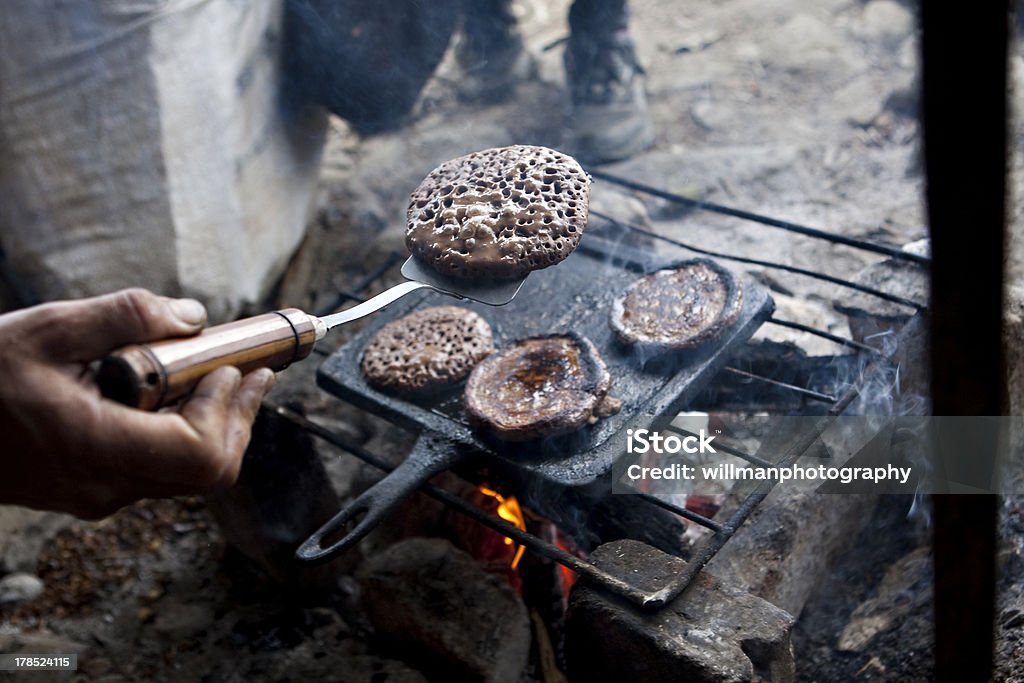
(188, 311)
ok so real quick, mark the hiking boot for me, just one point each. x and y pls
(490, 53)
(609, 117)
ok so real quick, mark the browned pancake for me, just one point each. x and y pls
(500, 213)
(678, 308)
(539, 387)
(426, 351)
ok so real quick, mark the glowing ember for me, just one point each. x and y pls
(508, 510)
(567, 575)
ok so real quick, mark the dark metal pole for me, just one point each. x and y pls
(964, 115)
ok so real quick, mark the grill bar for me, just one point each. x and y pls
(725, 448)
(888, 250)
(682, 512)
(824, 277)
(842, 341)
(809, 393)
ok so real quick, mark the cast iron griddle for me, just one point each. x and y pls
(574, 295)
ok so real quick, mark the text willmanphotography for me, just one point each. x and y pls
(700, 454)
(732, 472)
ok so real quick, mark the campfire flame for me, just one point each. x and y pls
(509, 510)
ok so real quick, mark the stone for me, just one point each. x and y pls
(789, 543)
(619, 206)
(808, 47)
(861, 101)
(180, 621)
(712, 632)
(1013, 341)
(315, 662)
(906, 588)
(23, 533)
(869, 315)
(808, 311)
(436, 607)
(20, 587)
(282, 495)
(887, 22)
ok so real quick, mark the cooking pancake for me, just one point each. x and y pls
(500, 213)
(426, 351)
(677, 308)
(539, 387)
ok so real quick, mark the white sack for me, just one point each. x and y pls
(145, 142)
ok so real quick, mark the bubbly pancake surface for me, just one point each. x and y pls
(499, 213)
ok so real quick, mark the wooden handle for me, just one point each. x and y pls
(148, 376)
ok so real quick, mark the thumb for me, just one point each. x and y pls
(87, 329)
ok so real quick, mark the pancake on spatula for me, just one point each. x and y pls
(499, 214)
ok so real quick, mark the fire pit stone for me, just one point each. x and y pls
(436, 605)
(712, 633)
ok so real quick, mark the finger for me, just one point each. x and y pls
(244, 406)
(87, 329)
(198, 449)
(179, 452)
(206, 410)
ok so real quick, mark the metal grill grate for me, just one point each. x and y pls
(721, 532)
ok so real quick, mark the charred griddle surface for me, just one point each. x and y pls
(576, 296)
(426, 351)
(678, 308)
(537, 387)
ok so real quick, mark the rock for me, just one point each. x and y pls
(177, 621)
(808, 47)
(1013, 342)
(437, 607)
(319, 662)
(619, 206)
(712, 114)
(712, 632)
(808, 311)
(23, 533)
(1013, 332)
(780, 554)
(906, 587)
(870, 316)
(282, 496)
(20, 587)
(886, 22)
(860, 102)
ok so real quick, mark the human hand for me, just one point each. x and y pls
(66, 448)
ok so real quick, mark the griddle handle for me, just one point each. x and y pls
(377, 502)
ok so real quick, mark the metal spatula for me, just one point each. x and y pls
(148, 376)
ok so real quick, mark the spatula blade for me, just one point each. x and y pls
(496, 293)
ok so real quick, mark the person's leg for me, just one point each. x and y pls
(490, 50)
(606, 83)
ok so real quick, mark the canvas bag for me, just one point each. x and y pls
(147, 143)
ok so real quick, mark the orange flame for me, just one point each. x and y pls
(508, 510)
